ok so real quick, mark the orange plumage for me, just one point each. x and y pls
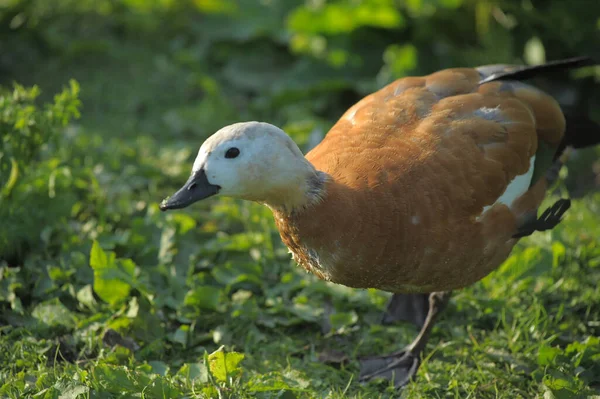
(412, 167)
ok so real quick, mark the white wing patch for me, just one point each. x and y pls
(495, 114)
(491, 114)
(517, 187)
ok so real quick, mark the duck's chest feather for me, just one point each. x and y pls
(355, 239)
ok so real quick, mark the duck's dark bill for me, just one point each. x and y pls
(195, 189)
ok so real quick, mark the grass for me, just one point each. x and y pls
(109, 297)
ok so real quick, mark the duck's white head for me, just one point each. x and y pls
(254, 161)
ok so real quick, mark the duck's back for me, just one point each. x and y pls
(418, 199)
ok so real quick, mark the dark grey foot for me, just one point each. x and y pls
(400, 367)
(548, 220)
(412, 308)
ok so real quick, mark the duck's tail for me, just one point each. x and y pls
(581, 131)
(532, 71)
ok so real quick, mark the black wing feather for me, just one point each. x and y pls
(528, 72)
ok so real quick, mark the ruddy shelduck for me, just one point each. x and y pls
(420, 188)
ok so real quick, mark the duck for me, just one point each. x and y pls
(421, 188)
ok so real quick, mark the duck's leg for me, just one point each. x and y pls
(412, 308)
(402, 366)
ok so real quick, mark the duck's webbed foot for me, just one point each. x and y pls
(549, 219)
(401, 367)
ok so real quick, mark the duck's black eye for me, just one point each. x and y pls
(232, 153)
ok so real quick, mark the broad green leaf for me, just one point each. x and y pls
(120, 379)
(158, 367)
(342, 320)
(113, 277)
(586, 352)
(162, 388)
(285, 382)
(562, 385)
(336, 18)
(203, 297)
(181, 335)
(119, 354)
(194, 371)
(85, 296)
(400, 59)
(74, 392)
(224, 364)
(54, 313)
(231, 273)
(98, 258)
(547, 354)
(183, 222)
(306, 312)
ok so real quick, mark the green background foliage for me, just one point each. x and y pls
(103, 106)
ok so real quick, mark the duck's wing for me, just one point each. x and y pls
(474, 136)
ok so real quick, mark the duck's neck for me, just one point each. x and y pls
(316, 226)
(305, 190)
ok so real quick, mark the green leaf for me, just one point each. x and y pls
(158, 367)
(161, 388)
(85, 296)
(203, 297)
(181, 335)
(400, 59)
(284, 382)
(194, 372)
(342, 320)
(547, 354)
(113, 277)
(117, 379)
(54, 313)
(183, 222)
(563, 386)
(98, 258)
(337, 18)
(586, 352)
(224, 365)
(73, 392)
